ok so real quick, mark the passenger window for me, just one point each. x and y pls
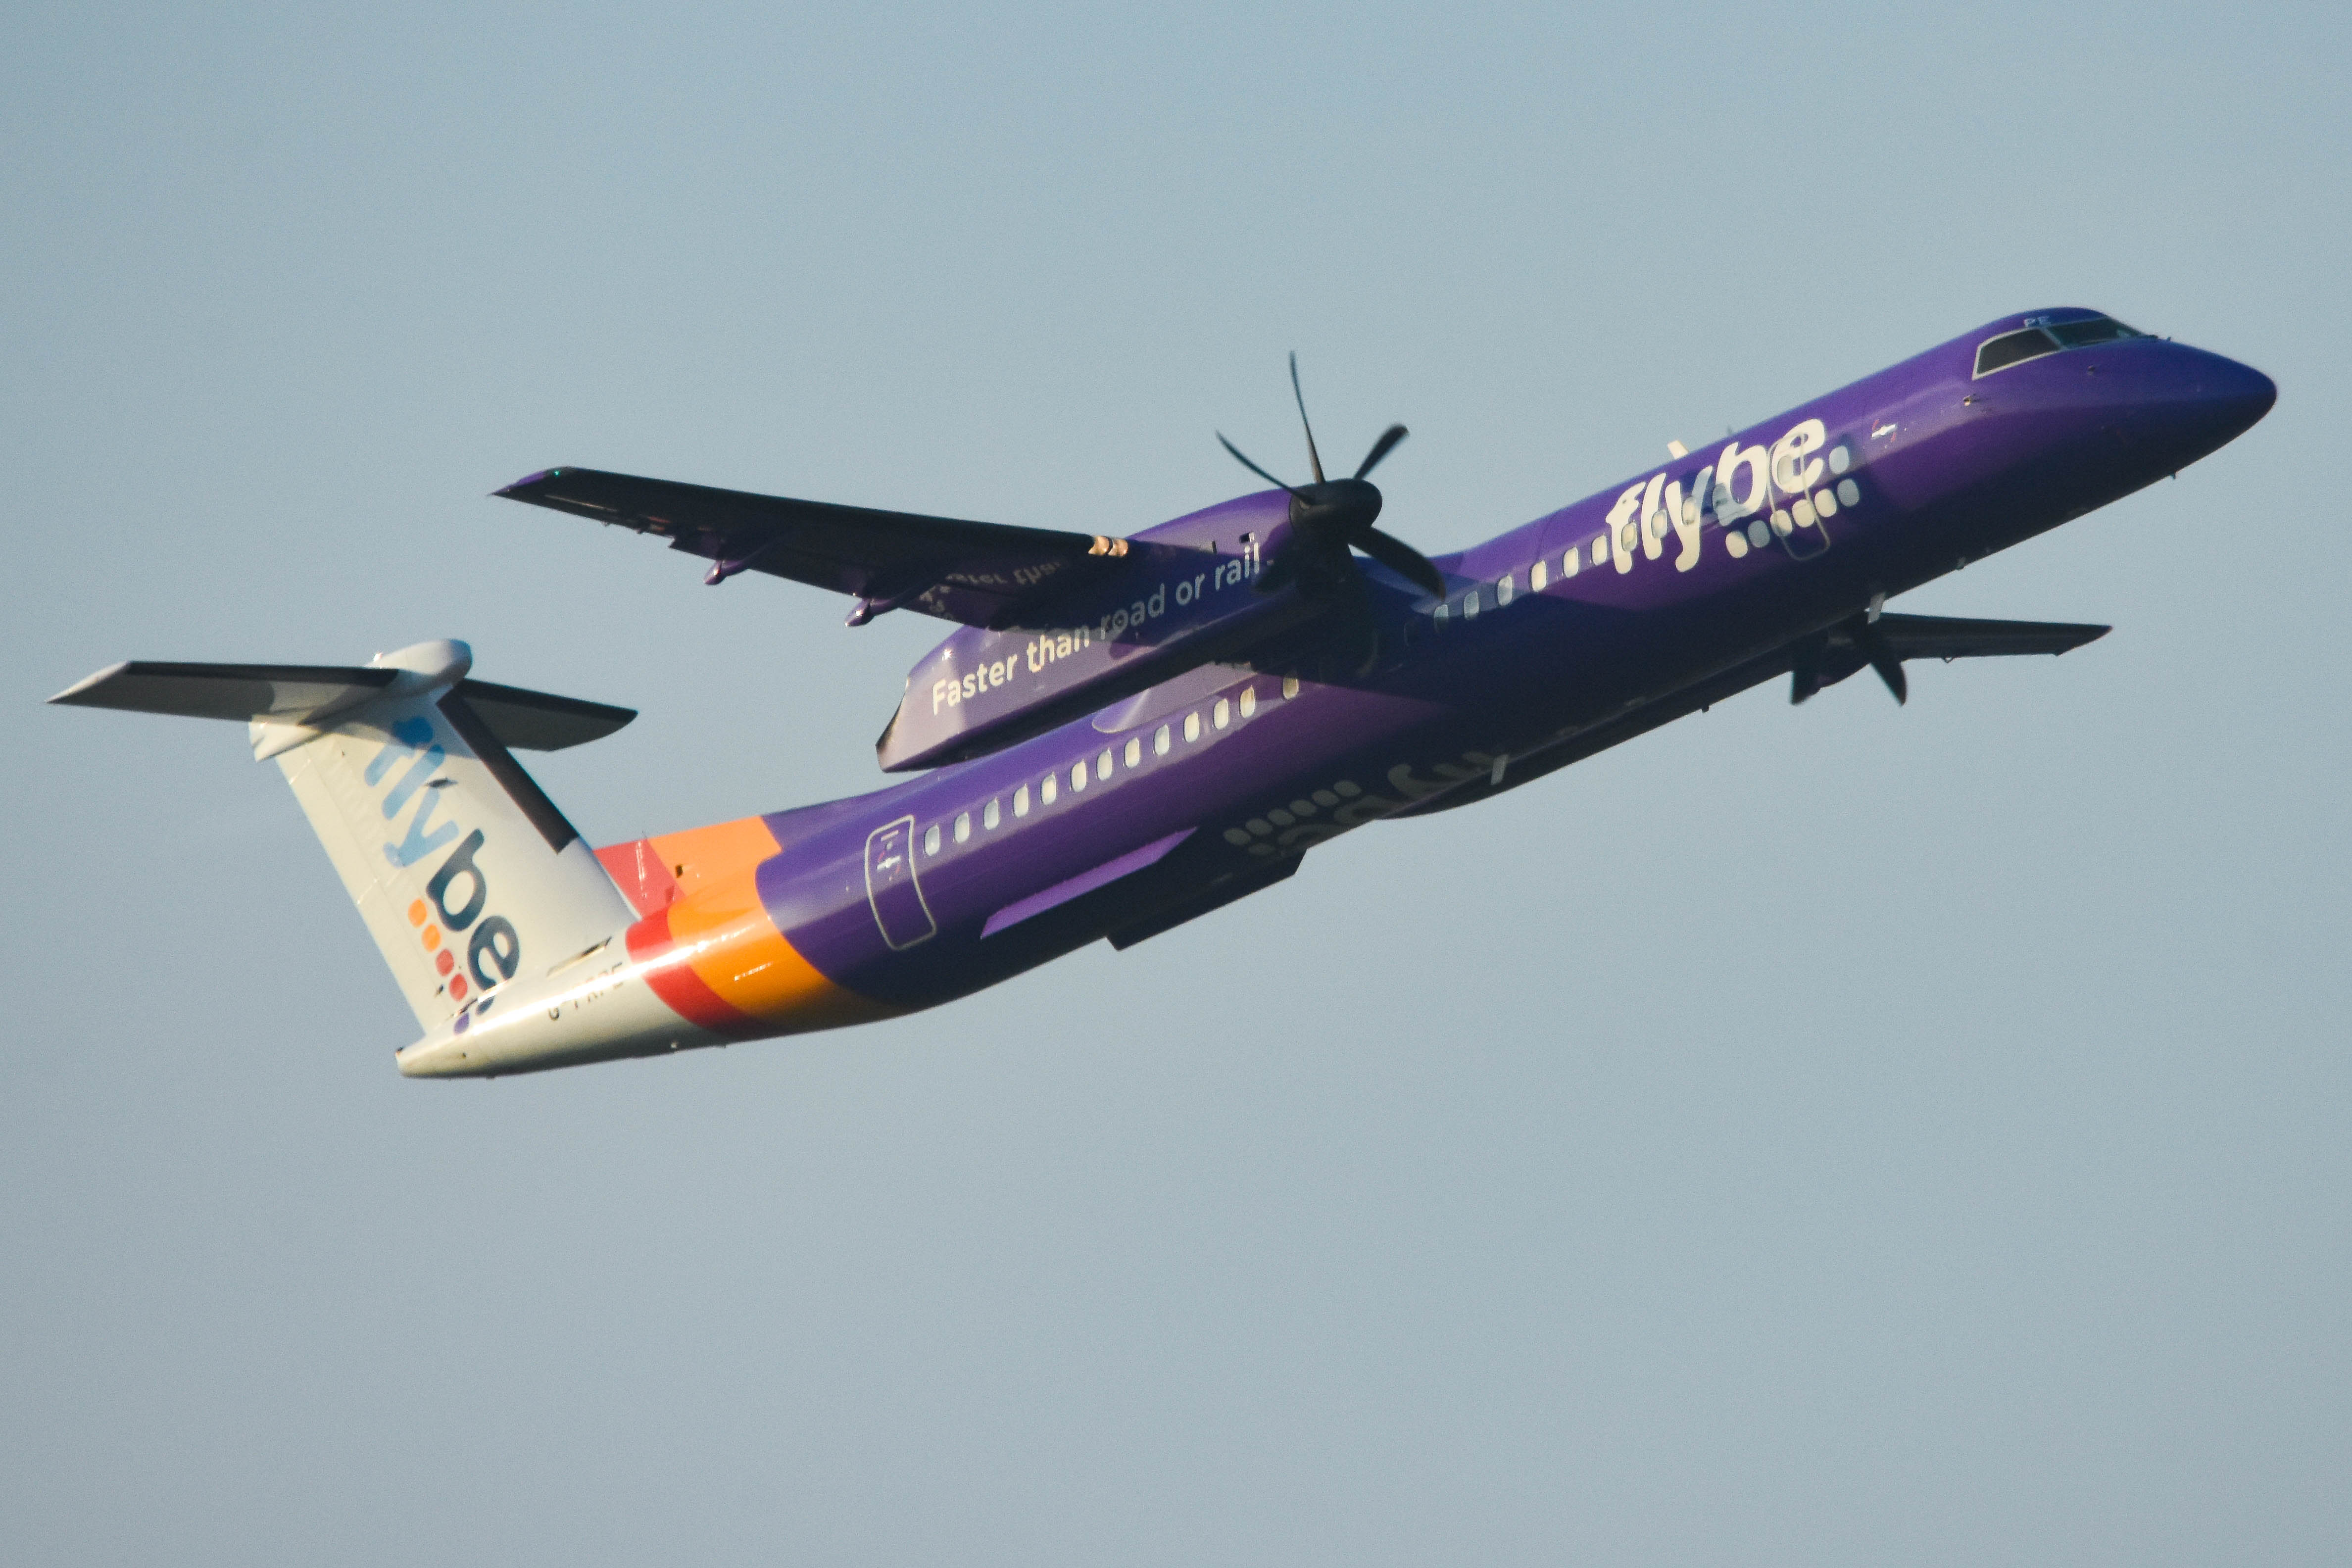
(1222, 714)
(1192, 726)
(1439, 616)
(931, 839)
(1470, 605)
(1571, 561)
(1049, 789)
(1601, 551)
(1021, 800)
(1249, 700)
(1537, 577)
(1289, 687)
(2013, 348)
(964, 827)
(1503, 591)
(1078, 775)
(991, 817)
(1135, 752)
(1160, 743)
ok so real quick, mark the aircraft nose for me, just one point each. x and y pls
(2237, 395)
(2223, 397)
(2183, 403)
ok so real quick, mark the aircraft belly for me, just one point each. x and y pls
(820, 898)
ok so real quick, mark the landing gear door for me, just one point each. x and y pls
(891, 889)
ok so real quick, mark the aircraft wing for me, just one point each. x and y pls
(981, 573)
(1949, 637)
(1945, 637)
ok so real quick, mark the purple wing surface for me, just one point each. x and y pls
(980, 573)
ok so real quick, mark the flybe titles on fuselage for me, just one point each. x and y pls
(1753, 493)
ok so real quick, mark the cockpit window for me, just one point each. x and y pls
(2013, 347)
(2098, 330)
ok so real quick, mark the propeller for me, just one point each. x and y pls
(1875, 648)
(1331, 517)
(1826, 657)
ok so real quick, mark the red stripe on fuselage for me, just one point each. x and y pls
(672, 978)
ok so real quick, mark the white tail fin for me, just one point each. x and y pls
(467, 875)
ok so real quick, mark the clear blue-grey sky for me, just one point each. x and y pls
(1830, 1136)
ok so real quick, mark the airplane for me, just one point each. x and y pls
(1124, 734)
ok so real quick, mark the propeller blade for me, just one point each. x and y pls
(1805, 669)
(1402, 558)
(1882, 659)
(1381, 448)
(1253, 468)
(1312, 455)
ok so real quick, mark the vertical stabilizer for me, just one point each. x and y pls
(467, 876)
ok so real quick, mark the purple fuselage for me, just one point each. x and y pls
(1579, 629)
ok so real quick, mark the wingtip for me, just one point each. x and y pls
(526, 482)
(2095, 633)
(71, 695)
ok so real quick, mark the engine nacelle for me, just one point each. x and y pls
(1185, 600)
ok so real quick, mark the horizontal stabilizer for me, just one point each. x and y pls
(305, 694)
(981, 573)
(540, 720)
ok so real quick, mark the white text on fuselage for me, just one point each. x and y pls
(1049, 647)
(1776, 491)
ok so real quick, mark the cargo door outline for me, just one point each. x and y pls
(892, 891)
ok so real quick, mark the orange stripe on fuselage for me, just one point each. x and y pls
(700, 856)
(736, 950)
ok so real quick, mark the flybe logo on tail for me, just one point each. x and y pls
(457, 893)
(412, 738)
